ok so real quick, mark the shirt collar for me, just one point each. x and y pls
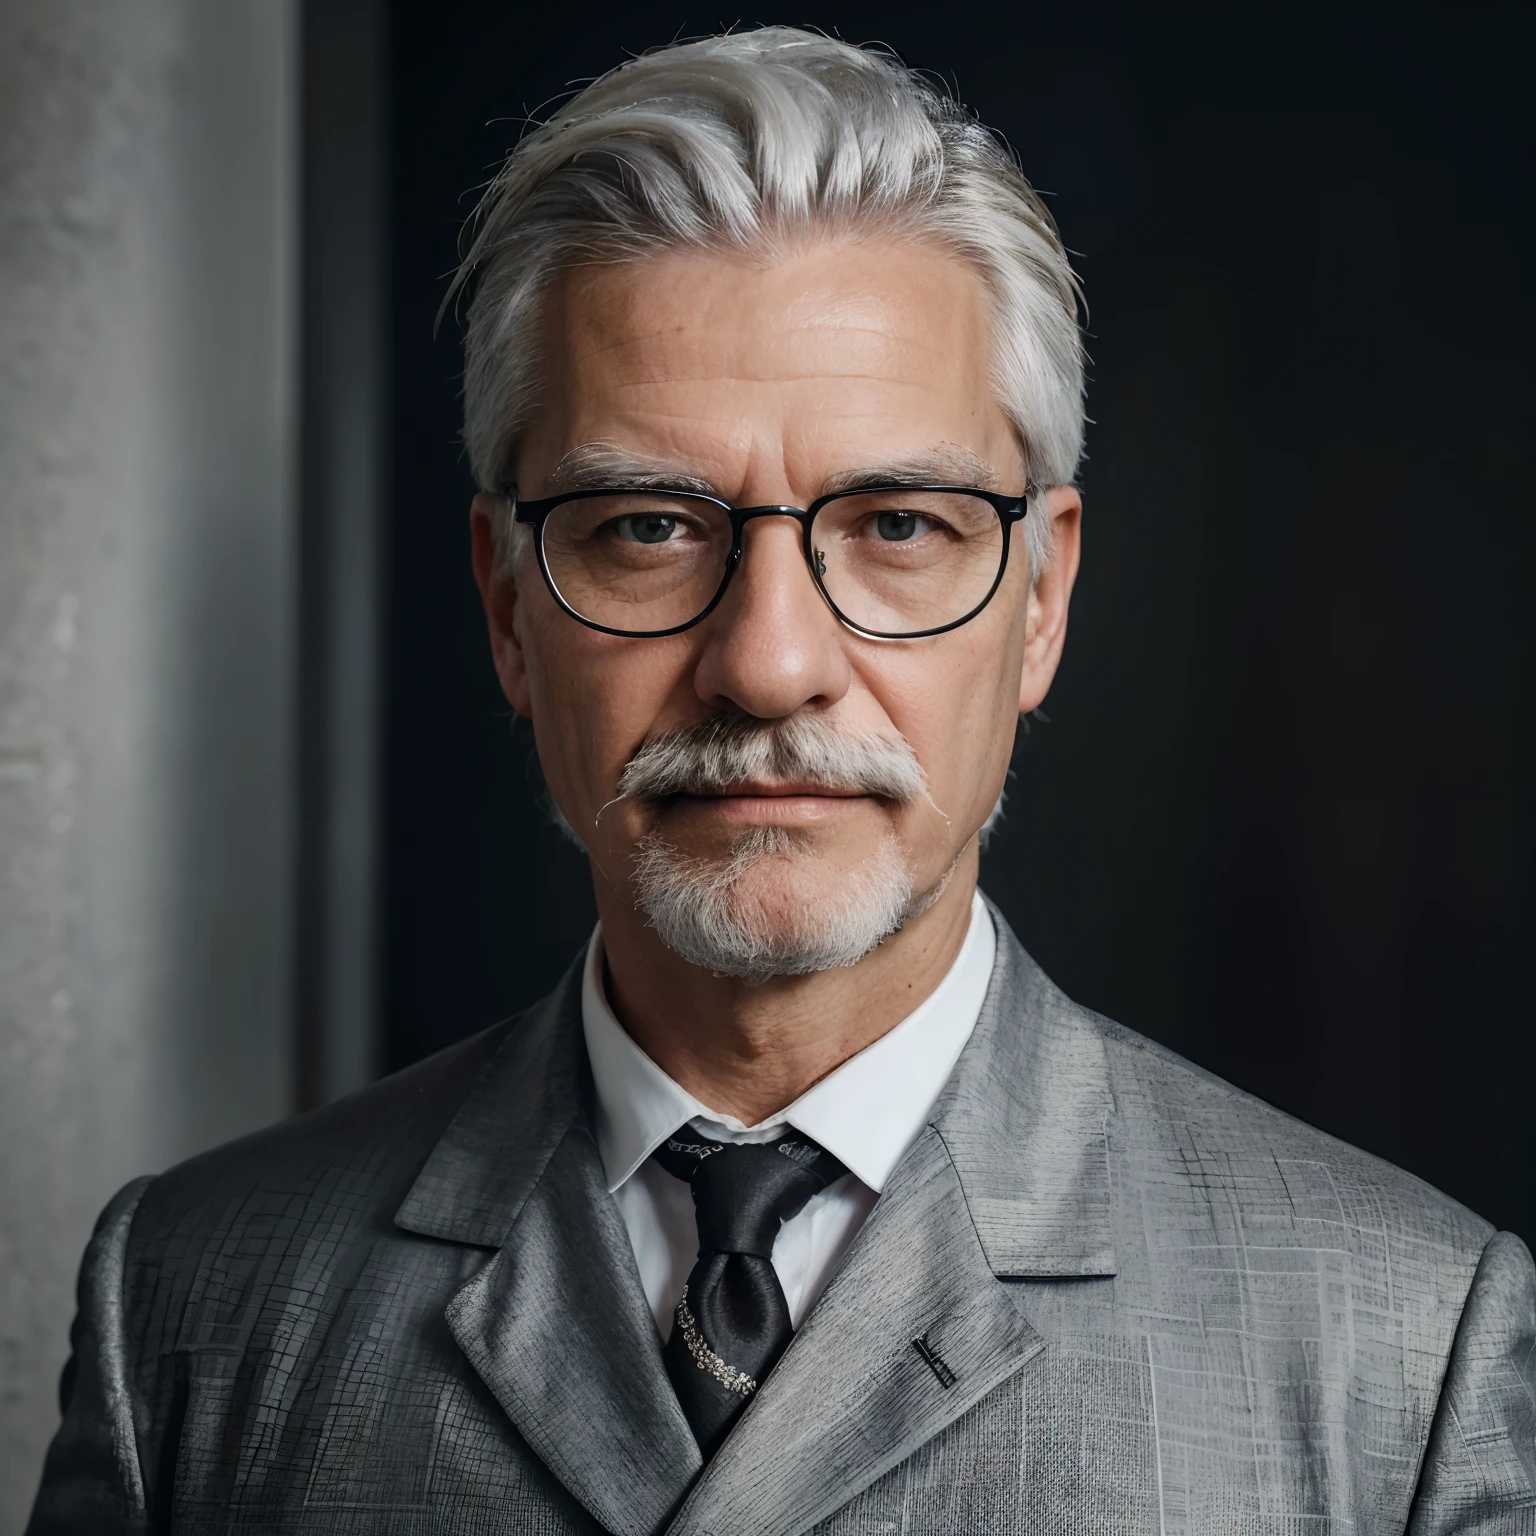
(866, 1113)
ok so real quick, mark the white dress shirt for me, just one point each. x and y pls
(866, 1114)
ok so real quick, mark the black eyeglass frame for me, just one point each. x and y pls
(534, 514)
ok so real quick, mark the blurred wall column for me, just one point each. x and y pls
(343, 529)
(148, 557)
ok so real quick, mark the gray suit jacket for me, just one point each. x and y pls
(1147, 1303)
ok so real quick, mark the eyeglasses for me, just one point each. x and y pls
(893, 562)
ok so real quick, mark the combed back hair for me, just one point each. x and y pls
(752, 144)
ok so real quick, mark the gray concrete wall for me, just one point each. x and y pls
(147, 293)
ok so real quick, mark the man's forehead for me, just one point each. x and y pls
(594, 465)
(833, 368)
(879, 312)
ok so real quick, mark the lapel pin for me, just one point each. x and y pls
(934, 1361)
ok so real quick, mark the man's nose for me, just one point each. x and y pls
(772, 646)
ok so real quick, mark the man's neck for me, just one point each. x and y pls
(750, 1049)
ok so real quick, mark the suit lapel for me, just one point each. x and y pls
(566, 1341)
(1008, 1179)
(556, 1323)
(854, 1394)
(1025, 1116)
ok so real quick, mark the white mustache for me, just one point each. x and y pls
(729, 750)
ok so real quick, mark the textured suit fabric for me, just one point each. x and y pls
(1103, 1291)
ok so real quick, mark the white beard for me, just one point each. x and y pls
(710, 912)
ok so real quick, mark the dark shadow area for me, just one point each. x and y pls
(1281, 816)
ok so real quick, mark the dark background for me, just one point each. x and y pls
(1281, 817)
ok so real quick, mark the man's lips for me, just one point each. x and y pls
(753, 791)
(793, 804)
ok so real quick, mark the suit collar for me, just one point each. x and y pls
(555, 1323)
(866, 1113)
(491, 1157)
(1024, 1117)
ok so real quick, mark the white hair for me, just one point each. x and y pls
(750, 143)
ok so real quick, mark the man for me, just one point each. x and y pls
(806, 1202)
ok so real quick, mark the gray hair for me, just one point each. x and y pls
(750, 142)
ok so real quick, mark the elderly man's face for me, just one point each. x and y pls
(769, 382)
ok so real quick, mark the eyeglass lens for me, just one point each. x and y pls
(892, 562)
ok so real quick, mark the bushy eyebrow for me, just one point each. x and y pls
(947, 464)
(598, 465)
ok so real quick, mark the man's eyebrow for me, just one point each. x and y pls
(596, 466)
(948, 464)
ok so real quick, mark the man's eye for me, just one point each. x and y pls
(901, 527)
(646, 528)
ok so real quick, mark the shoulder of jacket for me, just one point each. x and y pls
(1268, 1162)
(345, 1161)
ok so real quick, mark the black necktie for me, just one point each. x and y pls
(732, 1322)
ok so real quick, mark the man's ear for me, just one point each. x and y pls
(498, 592)
(1045, 626)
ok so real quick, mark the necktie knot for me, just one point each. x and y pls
(743, 1192)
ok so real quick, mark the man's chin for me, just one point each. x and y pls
(778, 887)
(772, 902)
